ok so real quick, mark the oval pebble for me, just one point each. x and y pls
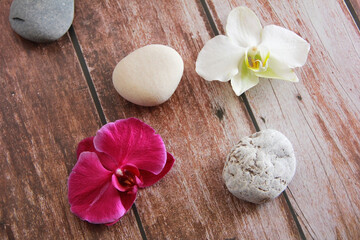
(41, 21)
(149, 75)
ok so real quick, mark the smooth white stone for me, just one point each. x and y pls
(149, 75)
(260, 166)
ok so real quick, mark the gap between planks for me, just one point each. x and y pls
(252, 116)
(354, 9)
(98, 106)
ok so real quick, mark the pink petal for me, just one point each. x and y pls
(107, 161)
(131, 141)
(127, 200)
(86, 145)
(91, 194)
(149, 179)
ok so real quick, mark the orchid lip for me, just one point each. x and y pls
(126, 178)
(254, 60)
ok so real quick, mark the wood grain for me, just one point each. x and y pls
(199, 124)
(45, 110)
(320, 115)
(356, 5)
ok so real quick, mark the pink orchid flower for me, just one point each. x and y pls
(123, 156)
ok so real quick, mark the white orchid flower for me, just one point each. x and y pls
(250, 51)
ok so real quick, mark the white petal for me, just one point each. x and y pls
(219, 59)
(285, 45)
(278, 70)
(244, 80)
(243, 27)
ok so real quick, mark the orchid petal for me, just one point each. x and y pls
(285, 45)
(278, 70)
(219, 59)
(91, 194)
(243, 27)
(134, 142)
(149, 179)
(87, 145)
(127, 199)
(244, 80)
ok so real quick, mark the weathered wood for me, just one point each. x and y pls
(45, 110)
(356, 5)
(199, 124)
(320, 114)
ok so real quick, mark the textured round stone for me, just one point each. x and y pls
(41, 20)
(260, 166)
(149, 75)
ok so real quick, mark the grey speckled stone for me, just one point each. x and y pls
(41, 20)
(260, 166)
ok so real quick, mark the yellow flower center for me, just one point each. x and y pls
(255, 59)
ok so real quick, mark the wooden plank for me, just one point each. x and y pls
(356, 5)
(45, 110)
(320, 114)
(199, 124)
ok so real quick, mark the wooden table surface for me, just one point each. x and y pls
(54, 95)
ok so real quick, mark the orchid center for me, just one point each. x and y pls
(125, 177)
(257, 59)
